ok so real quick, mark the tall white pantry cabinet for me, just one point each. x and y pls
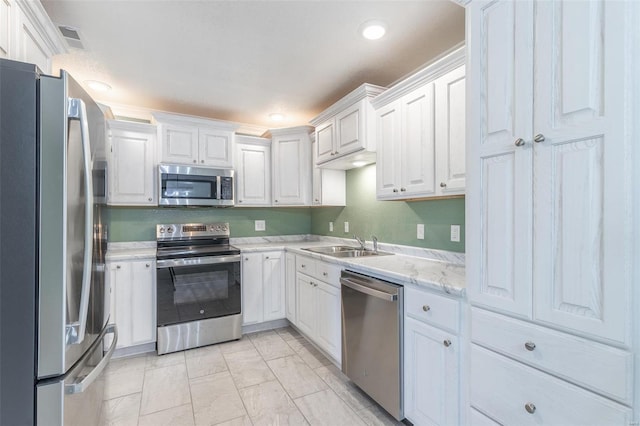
(552, 211)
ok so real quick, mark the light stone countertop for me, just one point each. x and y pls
(136, 250)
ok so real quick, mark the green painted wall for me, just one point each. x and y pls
(139, 223)
(391, 221)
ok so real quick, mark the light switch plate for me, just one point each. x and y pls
(330, 226)
(420, 231)
(346, 227)
(260, 225)
(455, 233)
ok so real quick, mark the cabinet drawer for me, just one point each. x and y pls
(431, 308)
(306, 265)
(593, 365)
(514, 394)
(328, 273)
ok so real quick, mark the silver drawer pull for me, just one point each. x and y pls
(539, 138)
(530, 346)
(447, 343)
(530, 407)
(426, 308)
(519, 142)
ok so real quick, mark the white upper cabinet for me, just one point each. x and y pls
(195, 140)
(131, 163)
(420, 126)
(345, 132)
(253, 167)
(551, 183)
(7, 11)
(328, 185)
(291, 153)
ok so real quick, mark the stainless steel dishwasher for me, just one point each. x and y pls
(372, 333)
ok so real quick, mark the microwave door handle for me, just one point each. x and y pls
(75, 332)
(218, 187)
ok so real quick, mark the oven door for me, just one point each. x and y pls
(197, 288)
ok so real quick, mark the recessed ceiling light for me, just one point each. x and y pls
(276, 116)
(359, 163)
(373, 30)
(98, 85)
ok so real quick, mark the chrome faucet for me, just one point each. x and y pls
(361, 242)
(375, 243)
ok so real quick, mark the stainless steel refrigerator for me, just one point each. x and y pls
(53, 297)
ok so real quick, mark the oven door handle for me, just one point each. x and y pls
(194, 261)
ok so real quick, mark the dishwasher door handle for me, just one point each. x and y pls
(368, 290)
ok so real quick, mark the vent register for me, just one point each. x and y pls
(71, 36)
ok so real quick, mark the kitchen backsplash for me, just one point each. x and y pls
(393, 222)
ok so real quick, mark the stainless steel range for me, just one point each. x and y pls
(199, 286)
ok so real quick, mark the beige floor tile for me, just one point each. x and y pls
(248, 368)
(215, 399)
(177, 416)
(344, 388)
(165, 387)
(121, 411)
(271, 346)
(288, 333)
(326, 408)
(312, 356)
(157, 361)
(376, 416)
(297, 343)
(269, 404)
(295, 376)
(204, 361)
(243, 344)
(126, 364)
(124, 376)
(239, 421)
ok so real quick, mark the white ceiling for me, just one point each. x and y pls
(241, 60)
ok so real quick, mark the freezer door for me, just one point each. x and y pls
(76, 398)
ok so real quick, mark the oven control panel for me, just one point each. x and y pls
(191, 230)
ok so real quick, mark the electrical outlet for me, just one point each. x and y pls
(346, 227)
(330, 226)
(455, 233)
(420, 233)
(260, 225)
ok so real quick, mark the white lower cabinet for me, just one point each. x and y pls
(431, 360)
(290, 291)
(132, 286)
(263, 291)
(319, 304)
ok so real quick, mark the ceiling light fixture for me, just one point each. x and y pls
(373, 30)
(98, 85)
(276, 116)
(359, 163)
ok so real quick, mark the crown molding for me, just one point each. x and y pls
(364, 91)
(38, 17)
(287, 131)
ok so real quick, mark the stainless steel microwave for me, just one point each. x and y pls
(184, 185)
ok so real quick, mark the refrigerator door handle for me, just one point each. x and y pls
(75, 332)
(97, 370)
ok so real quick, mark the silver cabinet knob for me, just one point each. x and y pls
(315, 285)
(202, 161)
(530, 407)
(239, 201)
(275, 201)
(246, 259)
(150, 199)
(266, 257)
(443, 185)
(426, 308)
(447, 343)
(403, 189)
(147, 265)
(303, 266)
(530, 346)
(324, 274)
(538, 138)
(195, 161)
(395, 189)
(519, 142)
(336, 153)
(118, 267)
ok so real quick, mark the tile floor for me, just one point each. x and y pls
(269, 378)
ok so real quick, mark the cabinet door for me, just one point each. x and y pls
(215, 147)
(498, 202)
(417, 146)
(252, 293)
(132, 167)
(253, 177)
(450, 132)
(325, 143)
(431, 375)
(388, 165)
(582, 169)
(122, 305)
(7, 19)
(179, 144)
(291, 170)
(329, 331)
(306, 306)
(350, 130)
(143, 301)
(290, 265)
(273, 286)
(30, 45)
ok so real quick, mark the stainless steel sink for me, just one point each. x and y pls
(346, 251)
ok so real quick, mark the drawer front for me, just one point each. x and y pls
(593, 365)
(476, 418)
(433, 309)
(514, 394)
(306, 265)
(328, 273)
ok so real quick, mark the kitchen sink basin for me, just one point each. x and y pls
(346, 251)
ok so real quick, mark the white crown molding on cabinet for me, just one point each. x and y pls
(40, 20)
(365, 90)
(198, 121)
(253, 140)
(287, 131)
(429, 73)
